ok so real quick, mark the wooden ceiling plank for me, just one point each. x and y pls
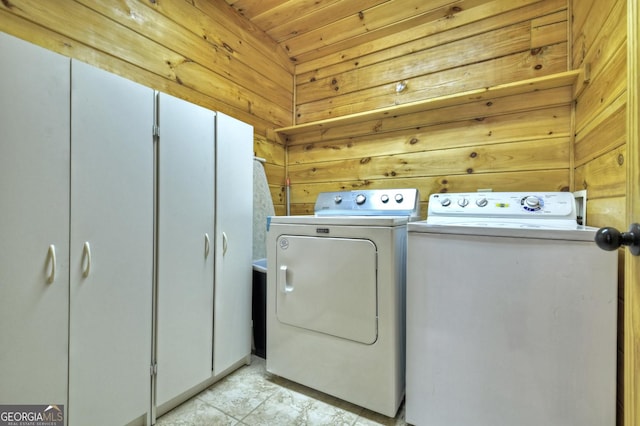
(364, 21)
(252, 8)
(291, 20)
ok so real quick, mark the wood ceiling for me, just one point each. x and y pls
(310, 29)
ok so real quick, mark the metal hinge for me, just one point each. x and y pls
(153, 370)
(156, 130)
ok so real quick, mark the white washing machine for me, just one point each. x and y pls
(335, 296)
(511, 314)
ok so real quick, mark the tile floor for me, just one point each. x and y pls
(251, 396)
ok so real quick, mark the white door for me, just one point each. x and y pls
(34, 223)
(327, 285)
(111, 248)
(234, 239)
(185, 246)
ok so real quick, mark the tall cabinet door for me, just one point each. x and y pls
(111, 264)
(34, 223)
(185, 246)
(234, 236)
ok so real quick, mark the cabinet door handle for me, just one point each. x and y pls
(51, 260)
(86, 259)
(206, 245)
(224, 243)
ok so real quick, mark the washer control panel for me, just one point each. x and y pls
(370, 202)
(505, 205)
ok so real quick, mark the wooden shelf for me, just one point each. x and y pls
(568, 78)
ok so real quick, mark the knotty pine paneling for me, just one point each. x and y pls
(552, 153)
(519, 66)
(599, 34)
(547, 180)
(512, 143)
(417, 33)
(431, 31)
(503, 42)
(469, 132)
(487, 106)
(604, 177)
(471, 56)
(200, 50)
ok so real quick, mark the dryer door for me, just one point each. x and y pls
(328, 285)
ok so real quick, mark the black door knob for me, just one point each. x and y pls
(610, 239)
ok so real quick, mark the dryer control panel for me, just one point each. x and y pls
(520, 206)
(371, 202)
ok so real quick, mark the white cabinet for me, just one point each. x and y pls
(76, 254)
(34, 223)
(185, 246)
(234, 223)
(111, 246)
(92, 215)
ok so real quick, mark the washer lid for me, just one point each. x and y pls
(507, 229)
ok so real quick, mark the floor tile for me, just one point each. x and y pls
(288, 407)
(241, 392)
(251, 396)
(195, 413)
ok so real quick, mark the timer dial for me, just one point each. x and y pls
(532, 203)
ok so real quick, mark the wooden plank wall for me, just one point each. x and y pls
(517, 143)
(600, 40)
(198, 50)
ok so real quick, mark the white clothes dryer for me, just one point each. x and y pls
(335, 296)
(511, 314)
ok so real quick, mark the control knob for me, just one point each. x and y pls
(360, 199)
(338, 199)
(482, 202)
(384, 198)
(445, 202)
(399, 198)
(463, 202)
(532, 202)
